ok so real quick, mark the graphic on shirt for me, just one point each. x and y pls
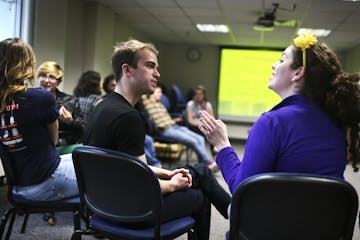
(10, 135)
(2, 119)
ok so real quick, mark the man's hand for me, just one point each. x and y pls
(179, 181)
(183, 171)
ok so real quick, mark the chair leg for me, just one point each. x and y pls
(26, 218)
(78, 233)
(192, 235)
(11, 224)
(4, 220)
(77, 223)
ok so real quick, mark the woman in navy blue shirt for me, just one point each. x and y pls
(29, 129)
(307, 131)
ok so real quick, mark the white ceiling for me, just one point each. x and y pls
(174, 21)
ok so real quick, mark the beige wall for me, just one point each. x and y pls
(104, 40)
(50, 31)
(74, 49)
(352, 60)
(175, 68)
(59, 36)
(78, 35)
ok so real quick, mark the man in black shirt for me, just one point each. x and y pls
(115, 124)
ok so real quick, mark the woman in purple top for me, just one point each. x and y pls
(314, 129)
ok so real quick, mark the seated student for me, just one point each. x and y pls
(109, 84)
(88, 92)
(306, 131)
(194, 106)
(167, 127)
(116, 124)
(29, 129)
(71, 119)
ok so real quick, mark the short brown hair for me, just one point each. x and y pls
(125, 52)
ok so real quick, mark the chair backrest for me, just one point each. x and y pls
(179, 99)
(166, 102)
(293, 206)
(10, 173)
(8, 170)
(116, 186)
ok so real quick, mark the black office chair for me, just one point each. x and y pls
(117, 191)
(293, 206)
(25, 206)
(164, 99)
(178, 99)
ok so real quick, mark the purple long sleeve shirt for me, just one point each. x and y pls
(295, 136)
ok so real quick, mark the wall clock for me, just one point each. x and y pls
(193, 54)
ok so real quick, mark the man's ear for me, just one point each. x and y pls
(125, 69)
(298, 74)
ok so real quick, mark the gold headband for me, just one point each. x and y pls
(305, 41)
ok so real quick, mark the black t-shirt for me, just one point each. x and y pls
(115, 124)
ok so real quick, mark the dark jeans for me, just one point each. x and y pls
(196, 201)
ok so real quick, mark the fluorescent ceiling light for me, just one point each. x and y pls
(212, 28)
(316, 32)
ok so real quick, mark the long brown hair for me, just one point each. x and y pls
(88, 83)
(16, 68)
(336, 92)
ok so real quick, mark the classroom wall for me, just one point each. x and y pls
(59, 36)
(175, 68)
(79, 35)
(75, 44)
(50, 31)
(352, 59)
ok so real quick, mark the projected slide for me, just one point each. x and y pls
(244, 76)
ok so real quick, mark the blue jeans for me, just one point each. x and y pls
(189, 138)
(150, 152)
(61, 184)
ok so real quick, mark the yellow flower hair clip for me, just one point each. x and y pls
(305, 41)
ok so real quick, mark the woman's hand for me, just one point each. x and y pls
(214, 130)
(65, 115)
